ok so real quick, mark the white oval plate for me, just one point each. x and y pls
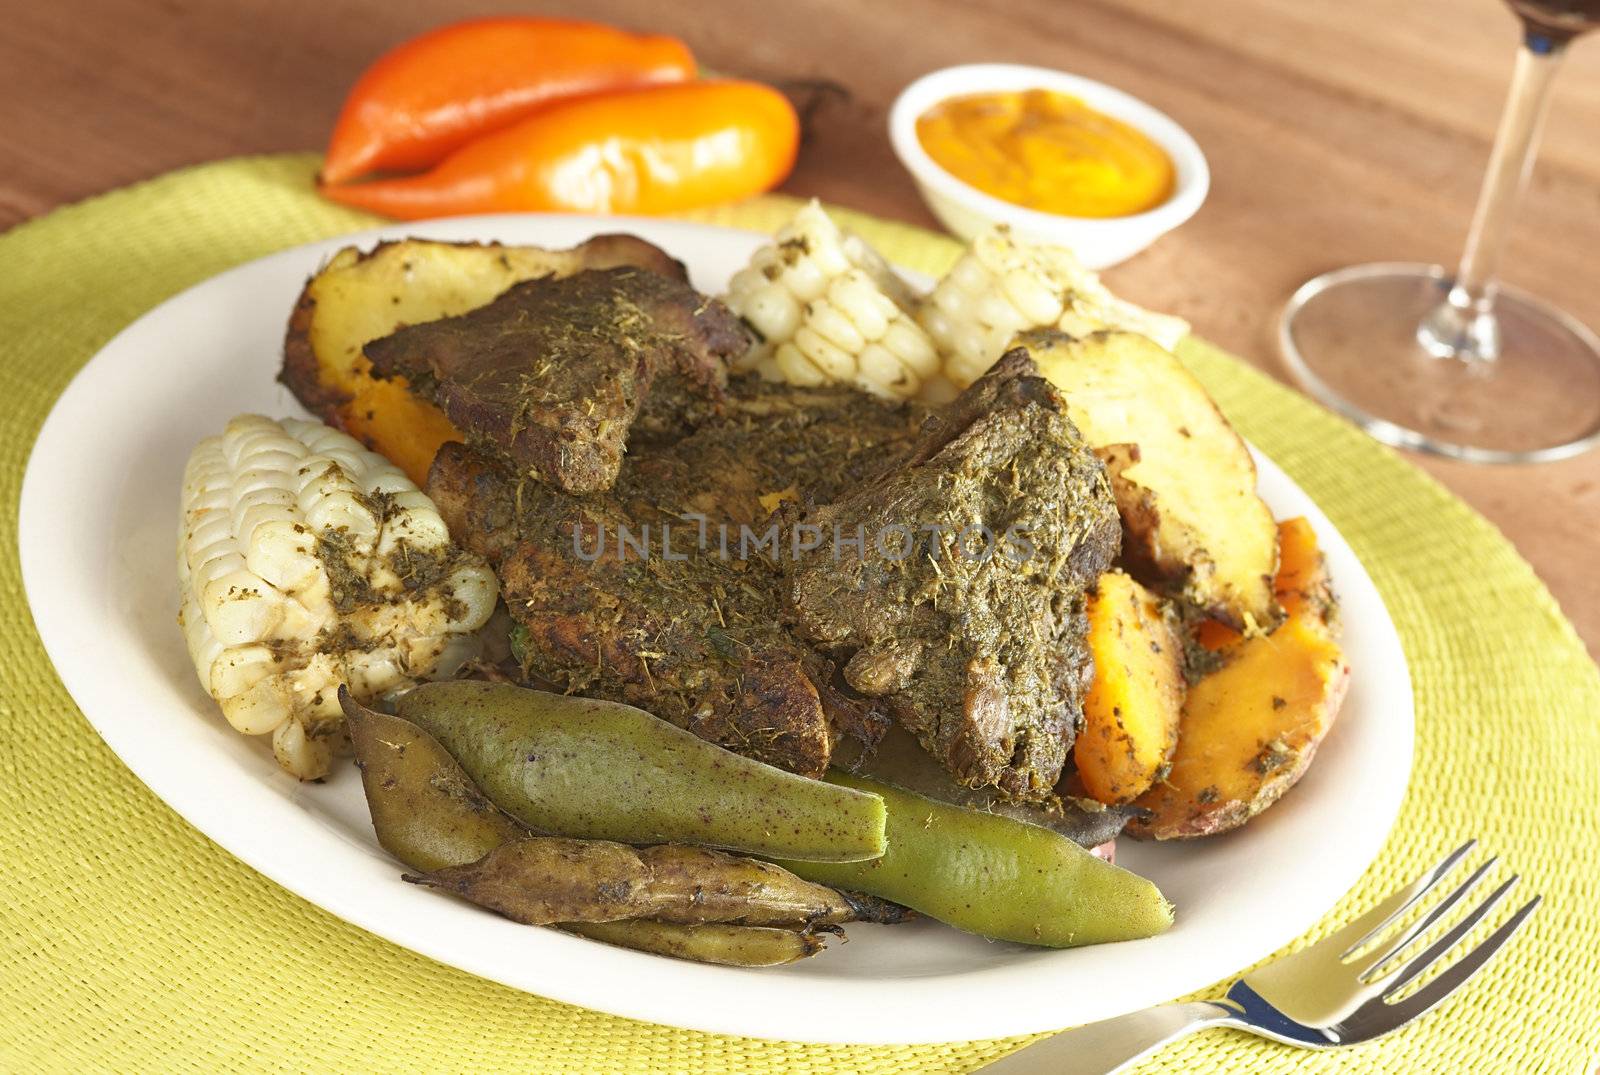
(98, 528)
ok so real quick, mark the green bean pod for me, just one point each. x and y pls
(599, 770)
(425, 809)
(546, 880)
(730, 946)
(428, 814)
(900, 760)
(995, 876)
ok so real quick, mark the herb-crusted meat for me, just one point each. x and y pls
(771, 444)
(552, 375)
(968, 621)
(766, 445)
(700, 639)
(762, 627)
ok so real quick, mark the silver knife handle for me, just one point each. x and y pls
(1112, 1044)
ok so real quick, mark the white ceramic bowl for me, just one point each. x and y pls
(1098, 241)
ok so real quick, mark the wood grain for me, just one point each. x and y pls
(1338, 133)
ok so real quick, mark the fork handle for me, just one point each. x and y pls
(1112, 1044)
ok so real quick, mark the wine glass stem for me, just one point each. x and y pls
(1464, 326)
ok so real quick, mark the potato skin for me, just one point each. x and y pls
(316, 390)
(1133, 706)
(1184, 482)
(359, 297)
(1250, 729)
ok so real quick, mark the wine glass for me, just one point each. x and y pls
(1460, 365)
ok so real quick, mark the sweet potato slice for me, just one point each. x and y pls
(1301, 586)
(1250, 728)
(357, 298)
(1185, 483)
(1132, 708)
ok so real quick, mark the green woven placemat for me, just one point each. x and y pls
(129, 942)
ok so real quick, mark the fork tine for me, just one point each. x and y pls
(1383, 956)
(1402, 975)
(1397, 903)
(1378, 1017)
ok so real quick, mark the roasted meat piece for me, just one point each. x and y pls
(694, 642)
(738, 636)
(358, 297)
(769, 444)
(952, 585)
(552, 375)
(699, 638)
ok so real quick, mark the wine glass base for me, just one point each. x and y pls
(1350, 336)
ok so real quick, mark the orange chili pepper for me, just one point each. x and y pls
(437, 92)
(654, 150)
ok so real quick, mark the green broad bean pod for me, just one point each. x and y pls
(599, 770)
(994, 876)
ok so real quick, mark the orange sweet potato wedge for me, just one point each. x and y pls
(1132, 709)
(1250, 729)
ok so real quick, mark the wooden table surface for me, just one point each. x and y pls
(1337, 133)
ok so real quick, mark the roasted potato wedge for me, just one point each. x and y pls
(360, 297)
(1131, 711)
(1185, 483)
(1250, 728)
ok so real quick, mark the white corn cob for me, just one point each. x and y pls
(1001, 287)
(829, 309)
(306, 562)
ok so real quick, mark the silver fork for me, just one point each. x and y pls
(1331, 994)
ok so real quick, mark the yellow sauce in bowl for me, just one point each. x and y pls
(1047, 151)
